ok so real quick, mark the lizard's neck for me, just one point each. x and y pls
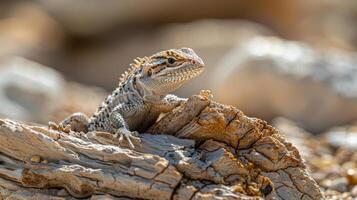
(146, 94)
(126, 92)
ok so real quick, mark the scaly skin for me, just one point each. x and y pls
(142, 94)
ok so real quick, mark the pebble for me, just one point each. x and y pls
(342, 138)
(339, 184)
(351, 176)
(354, 191)
(35, 159)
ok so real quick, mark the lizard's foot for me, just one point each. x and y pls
(128, 135)
(77, 122)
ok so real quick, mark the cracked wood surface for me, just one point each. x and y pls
(200, 150)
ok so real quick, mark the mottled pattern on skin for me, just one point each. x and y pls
(142, 94)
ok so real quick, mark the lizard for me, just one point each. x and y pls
(142, 95)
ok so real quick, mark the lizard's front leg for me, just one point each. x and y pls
(118, 123)
(77, 122)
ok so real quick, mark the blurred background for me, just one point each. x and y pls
(292, 63)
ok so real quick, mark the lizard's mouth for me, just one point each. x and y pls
(173, 79)
(183, 73)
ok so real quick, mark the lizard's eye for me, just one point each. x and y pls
(171, 61)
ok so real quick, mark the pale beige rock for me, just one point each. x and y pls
(345, 137)
(28, 90)
(222, 154)
(33, 92)
(269, 77)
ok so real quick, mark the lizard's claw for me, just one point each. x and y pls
(58, 127)
(128, 135)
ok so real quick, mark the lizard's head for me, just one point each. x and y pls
(166, 71)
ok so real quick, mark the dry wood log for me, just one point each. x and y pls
(200, 150)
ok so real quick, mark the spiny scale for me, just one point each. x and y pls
(133, 66)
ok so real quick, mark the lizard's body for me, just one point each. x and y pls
(137, 113)
(142, 94)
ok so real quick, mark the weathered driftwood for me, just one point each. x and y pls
(201, 150)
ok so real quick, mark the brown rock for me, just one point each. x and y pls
(333, 167)
(255, 143)
(222, 154)
(351, 175)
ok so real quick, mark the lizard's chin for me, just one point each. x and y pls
(161, 87)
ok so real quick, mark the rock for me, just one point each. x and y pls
(351, 175)
(345, 137)
(33, 92)
(255, 142)
(44, 161)
(354, 191)
(29, 91)
(269, 77)
(212, 151)
(346, 155)
(332, 167)
(339, 184)
(332, 194)
(35, 159)
(309, 147)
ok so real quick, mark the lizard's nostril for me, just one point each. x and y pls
(193, 62)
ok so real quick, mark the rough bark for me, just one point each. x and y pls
(200, 150)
